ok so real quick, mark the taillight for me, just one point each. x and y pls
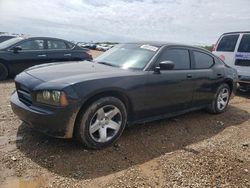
(215, 45)
(89, 54)
(222, 57)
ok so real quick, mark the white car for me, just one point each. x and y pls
(102, 47)
(234, 49)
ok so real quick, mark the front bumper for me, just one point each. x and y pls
(244, 79)
(56, 122)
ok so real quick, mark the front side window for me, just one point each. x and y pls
(202, 60)
(227, 43)
(128, 56)
(56, 44)
(32, 45)
(244, 44)
(70, 45)
(180, 57)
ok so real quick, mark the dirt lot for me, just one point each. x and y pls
(192, 150)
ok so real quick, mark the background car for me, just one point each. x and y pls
(91, 46)
(104, 47)
(234, 49)
(6, 37)
(131, 83)
(17, 54)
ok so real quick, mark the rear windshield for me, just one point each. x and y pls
(244, 44)
(227, 43)
(4, 38)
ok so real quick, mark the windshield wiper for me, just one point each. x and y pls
(105, 63)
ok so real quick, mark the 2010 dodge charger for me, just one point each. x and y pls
(131, 83)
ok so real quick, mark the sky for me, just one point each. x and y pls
(198, 22)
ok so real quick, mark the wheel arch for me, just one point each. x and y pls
(230, 84)
(6, 66)
(107, 93)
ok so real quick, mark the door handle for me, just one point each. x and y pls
(219, 75)
(42, 55)
(189, 76)
(67, 54)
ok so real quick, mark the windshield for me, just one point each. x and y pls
(9, 42)
(128, 56)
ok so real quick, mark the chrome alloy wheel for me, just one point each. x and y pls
(223, 98)
(105, 123)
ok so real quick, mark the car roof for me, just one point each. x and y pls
(6, 35)
(160, 44)
(236, 32)
(28, 37)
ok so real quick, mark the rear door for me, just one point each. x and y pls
(33, 53)
(58, 50)
(207, 77)
(242, 57)
(171, 90)
(226, 48)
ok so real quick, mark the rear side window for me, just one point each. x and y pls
(70, 45)
(227, 43)
(56, 44)
(179, 56)
(244, 44)
(202, 60)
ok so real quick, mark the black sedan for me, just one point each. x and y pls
(131, 83)
(18, 53)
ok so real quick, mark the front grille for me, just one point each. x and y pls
(24, 94)
(242, 62)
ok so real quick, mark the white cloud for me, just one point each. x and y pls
(193, 21)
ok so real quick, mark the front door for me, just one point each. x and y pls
(170, 91)
(32, 53)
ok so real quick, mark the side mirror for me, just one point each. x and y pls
(16, 49)
(164, 65)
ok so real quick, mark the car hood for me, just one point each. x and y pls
(72, 72)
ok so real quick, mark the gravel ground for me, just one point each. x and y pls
(193, 150)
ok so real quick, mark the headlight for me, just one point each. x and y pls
(52, 97)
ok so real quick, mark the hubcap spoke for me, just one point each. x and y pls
(94, 127)
(100, 114)
(113, 125)
(112, 113)
(103, 134)
(224, 95)
(105, 123)
(223, 99)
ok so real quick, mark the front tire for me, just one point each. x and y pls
(221, 99)
(102, 123)
(3, 72)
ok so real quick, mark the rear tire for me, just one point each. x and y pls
(102, 123)
(221, 99)
(3, 72)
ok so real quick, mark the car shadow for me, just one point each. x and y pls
(9, 80)
(243, 93)
(137, 145)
